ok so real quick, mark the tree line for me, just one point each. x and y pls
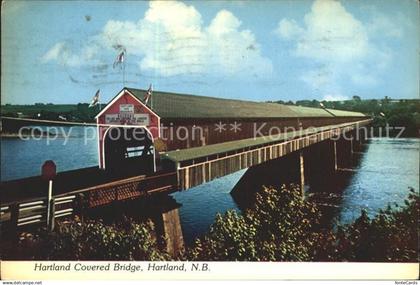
(396, 113)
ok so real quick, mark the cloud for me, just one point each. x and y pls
(317, 78)
(63, 54)
(171, 39)
(54, 53)
(288, 29)
(381, 25)
(332, 33)
(339, 46)
(334, 97)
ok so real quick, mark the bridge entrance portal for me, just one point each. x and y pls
(129, 150)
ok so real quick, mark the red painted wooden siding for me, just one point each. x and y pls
(139, 108)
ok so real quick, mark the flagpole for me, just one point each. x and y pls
(124, 73)
(120, 61)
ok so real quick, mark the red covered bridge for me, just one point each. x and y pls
(178, 141)
(179, 122)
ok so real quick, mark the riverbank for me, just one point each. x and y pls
(26, 133)
(280, 226)
(29, 133)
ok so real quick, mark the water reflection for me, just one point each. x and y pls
(202, 203)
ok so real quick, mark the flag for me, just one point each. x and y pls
(119, 60)
(148, 94)
(95, 99)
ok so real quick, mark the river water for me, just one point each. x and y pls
(381, 175)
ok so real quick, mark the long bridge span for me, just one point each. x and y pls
(176, 165)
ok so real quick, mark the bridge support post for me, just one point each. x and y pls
(173, 232)
(302, 174)
(360, 135)
(168, 225)
(319, 164)
(343, 152)
(80, 206)
(14, 219)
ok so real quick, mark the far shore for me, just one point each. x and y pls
(29, 135)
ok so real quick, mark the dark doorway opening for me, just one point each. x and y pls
(129, 151)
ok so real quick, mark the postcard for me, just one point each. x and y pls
(208, 140)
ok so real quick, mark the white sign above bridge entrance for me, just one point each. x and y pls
(127, 108)
(112, 119)
(128, 118)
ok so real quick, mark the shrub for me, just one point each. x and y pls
(93, 240)
(278, 227)
(283, 227)
(392, 235)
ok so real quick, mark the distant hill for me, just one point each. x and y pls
(8, 108)
(71, 112)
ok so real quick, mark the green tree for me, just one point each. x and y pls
(357, 98)
(392, 235)
(283, 227)
(278, 227)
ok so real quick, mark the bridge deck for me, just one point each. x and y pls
(207, 162)
(195, 153)
(196, 166)
(65, 182)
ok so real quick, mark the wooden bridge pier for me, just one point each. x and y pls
(285, 170)
(346, 148)
(315, 164)
(170, 229)
(360, 136)
(320, 160)
(163, 210)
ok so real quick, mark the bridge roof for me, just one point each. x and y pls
(342, 113)
(220, 148)
(175, 105)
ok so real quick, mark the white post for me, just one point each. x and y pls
(335, 156)
(302, 174)
(50, 183)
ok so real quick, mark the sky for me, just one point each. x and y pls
(62, 52)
